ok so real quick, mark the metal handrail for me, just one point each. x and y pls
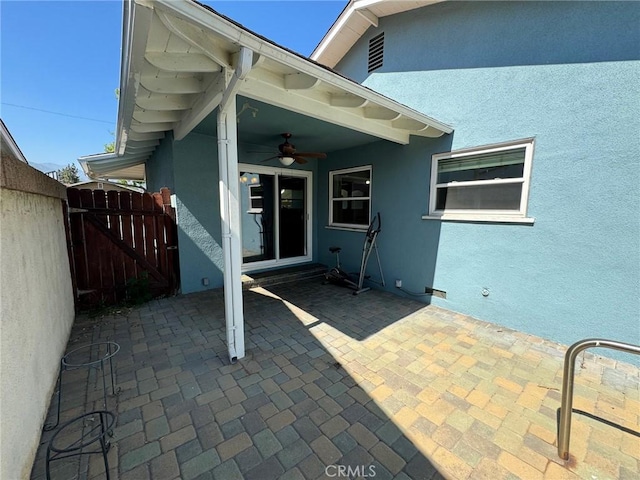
(564, 429)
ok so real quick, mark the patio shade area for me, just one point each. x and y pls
(374, 383)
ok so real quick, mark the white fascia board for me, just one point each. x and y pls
(354, 7)
(7, 139)
(233, 33)
(85, 168)
(341, 22)
(106, 165)
(134, 44)
(109, 160)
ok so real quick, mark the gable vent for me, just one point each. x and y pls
(376, 51)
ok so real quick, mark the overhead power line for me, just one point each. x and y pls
(56, 113)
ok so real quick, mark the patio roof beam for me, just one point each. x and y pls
(347, 100)
(176, 86)
(157, 116)
(300, 81)
(151, 127)
(206, 104)
(265, 91)
(380, 113)
(196, 37)
(182, 62)
(141, 137)
(192, 12)
(162, 101)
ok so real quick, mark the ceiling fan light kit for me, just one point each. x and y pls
(288, 155)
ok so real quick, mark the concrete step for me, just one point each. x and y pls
(282, 275)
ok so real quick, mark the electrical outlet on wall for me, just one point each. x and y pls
(398, 283)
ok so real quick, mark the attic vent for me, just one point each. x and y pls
(376, 51)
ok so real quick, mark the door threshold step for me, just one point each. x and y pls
(283, 275)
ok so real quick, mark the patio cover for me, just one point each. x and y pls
(181, 61)
(178, 57)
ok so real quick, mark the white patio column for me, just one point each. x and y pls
(230, 220)
(230, 207)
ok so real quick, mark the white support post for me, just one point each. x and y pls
(230, 220)
(230, 207)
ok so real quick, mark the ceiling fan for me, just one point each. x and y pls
(288, 154)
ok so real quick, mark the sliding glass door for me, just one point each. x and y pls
(275, 208)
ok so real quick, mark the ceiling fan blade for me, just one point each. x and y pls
(311, 154)
(299, 159)
(270, 158)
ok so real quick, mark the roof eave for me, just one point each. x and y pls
(10, 142)
(244, 38)
(332, 47)
(141, 127)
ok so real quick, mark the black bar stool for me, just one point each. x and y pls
(79, 433)
(94, 355)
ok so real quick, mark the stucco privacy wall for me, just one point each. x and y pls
(36, 308)
(562, 72)
(193, 177)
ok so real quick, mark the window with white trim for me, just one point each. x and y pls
(255, 198)
(490, 182)
(350, 197)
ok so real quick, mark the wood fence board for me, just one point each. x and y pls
(117, 236)
(67, 231)
(149, 229)
(76, 241)
(92, 260)
(118, 257)
(161, 244)
(127, 233)
(138, 226)
(105, 252)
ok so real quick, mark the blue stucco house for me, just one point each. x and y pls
(500, 141)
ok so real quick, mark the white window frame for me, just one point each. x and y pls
(332, 201)
(252, 197)
(475, 215)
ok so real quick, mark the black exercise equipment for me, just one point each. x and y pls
(339, 277)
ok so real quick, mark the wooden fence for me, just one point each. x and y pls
(121, 244)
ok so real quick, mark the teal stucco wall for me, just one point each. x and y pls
(159, 168)
(565, 73)
(189, 167)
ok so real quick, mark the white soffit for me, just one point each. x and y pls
(354, 21)
(178, 57)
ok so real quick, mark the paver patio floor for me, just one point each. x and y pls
(380, 384)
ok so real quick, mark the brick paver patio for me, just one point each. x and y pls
(377, 383)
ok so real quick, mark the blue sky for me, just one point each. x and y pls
(64, 57)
